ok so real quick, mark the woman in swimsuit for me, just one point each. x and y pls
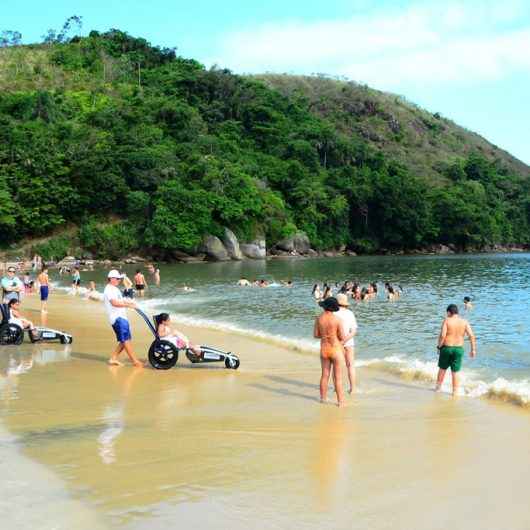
(172, 335)
(328, 329)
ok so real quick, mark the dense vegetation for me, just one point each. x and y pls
(144, 150)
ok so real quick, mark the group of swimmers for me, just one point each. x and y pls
(355, 291)
(244, 282)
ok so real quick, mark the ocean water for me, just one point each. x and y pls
(398, 336)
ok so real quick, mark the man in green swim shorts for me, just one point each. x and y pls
(451, 346)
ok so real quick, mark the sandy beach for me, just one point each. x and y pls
(252, 448)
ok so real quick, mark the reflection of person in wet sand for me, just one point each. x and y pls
(114, 420)
(328, 328)
(451, 346)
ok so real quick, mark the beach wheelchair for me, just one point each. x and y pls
(13, 334)
(10, 333)
(164, 354)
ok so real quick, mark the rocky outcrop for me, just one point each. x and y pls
(232, 245)
(255, 249)
(213, 248)
(298, 243)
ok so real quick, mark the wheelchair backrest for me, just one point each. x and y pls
(4, 314)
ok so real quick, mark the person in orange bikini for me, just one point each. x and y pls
(328, 328)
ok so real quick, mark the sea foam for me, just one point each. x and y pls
(516, 391)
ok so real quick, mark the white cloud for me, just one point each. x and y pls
(463, 42)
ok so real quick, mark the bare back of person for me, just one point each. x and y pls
(456, 329)
(43, 279)
(330, 332)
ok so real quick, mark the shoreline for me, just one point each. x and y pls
(223, 335)
(142, 447)
(25, 263)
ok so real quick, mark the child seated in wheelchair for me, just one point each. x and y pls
(17, 318)
(172, 335)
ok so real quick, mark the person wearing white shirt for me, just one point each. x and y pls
(116, 307)
(349, 327)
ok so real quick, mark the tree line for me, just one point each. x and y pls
(152, 151)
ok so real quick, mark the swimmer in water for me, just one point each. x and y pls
(316, 293)
(328, 291)
(243, 282)
(328, 328)
(468, 306)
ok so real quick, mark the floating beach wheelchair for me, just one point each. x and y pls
(13, 334)
(163, 354)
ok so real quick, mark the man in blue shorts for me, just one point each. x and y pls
(116, 307)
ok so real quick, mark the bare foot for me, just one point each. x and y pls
(324, 401)
(138, 364)
(437, 388)
(114, 362)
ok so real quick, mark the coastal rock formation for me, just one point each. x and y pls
(214, 248)
(256, 249)
(232, 245)
(298, 243)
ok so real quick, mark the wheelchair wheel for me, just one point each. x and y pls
(11, 334)
(163, 355)
(232, 362)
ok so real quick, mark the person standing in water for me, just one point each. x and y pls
(328, 328)
(44, 288)
(451, 346)
(349, 329)
(155, 273)
(468, 306)
(116, 307)
(76, 280)
(139, 282)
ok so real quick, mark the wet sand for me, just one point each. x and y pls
(207, 447)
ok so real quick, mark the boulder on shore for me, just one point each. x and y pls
(255, 249)
(298, 242)
(232, 245)
(213, 248)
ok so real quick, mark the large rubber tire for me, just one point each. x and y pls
(11, 334)
(232, 363)
(163, 355)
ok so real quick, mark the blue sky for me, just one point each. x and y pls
(468, 60)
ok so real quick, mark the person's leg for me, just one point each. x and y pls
(324, 378)
(127, 345)
(350, 367)
(456, 382)
(337, 379)
(456, 366)
(114, 355)
(440, 379)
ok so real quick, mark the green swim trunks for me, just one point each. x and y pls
(451, 356)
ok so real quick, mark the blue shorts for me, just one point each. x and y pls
(44, 291)
(122, 329)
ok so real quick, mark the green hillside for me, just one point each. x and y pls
(425, 143)
(145, 151)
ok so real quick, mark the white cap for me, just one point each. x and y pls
(115, 274)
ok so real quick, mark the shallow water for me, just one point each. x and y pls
(86, 446)
(401, 334)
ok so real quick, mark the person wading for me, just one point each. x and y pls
(451, 346)
(328, 328)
